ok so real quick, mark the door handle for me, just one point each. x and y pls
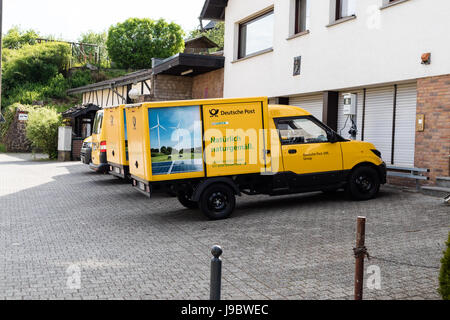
(292, 151)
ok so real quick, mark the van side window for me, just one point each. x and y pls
(98, 123)
(301, 131)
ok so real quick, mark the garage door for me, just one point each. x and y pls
(313, 104)
(405, 125)
(379, 120)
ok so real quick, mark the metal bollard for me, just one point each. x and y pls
(360, 253)
(216, 273)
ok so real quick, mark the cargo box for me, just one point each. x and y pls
(192, 139)
(117, 140)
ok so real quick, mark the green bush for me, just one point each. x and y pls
(35, 63)
(444, 276)
(56, 87)
(42, 130)
(80, 78)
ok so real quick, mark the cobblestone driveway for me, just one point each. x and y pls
(60, 215)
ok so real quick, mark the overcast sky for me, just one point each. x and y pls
(68, 19)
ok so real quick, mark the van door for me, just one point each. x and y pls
(96, 137)
(308, 155)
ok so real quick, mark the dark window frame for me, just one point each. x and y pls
(242, 36)
(297, 28)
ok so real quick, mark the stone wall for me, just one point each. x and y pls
(167, 87)
(208, 85)
(15, 139)
(433, 144)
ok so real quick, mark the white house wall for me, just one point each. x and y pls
(379, 46)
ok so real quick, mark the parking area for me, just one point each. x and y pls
(68, 233)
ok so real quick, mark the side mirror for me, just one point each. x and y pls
(332, 137)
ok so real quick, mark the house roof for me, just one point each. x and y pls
(127, 79)
(80, 110)
(211, 25)
(200, 42)
(189, 64)
(214, 10)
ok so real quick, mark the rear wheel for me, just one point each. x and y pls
(218, 202)
(364, 183)
(185, 199)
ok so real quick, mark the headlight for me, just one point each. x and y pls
(377, 153)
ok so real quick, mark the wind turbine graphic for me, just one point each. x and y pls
(158, 126)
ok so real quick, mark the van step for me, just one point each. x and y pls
(436, 191)
(443, 182)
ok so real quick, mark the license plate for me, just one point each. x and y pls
(142, 186)
(117, 170)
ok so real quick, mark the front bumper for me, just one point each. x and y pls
(383, 173)
(85, 156)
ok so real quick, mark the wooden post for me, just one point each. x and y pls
(360, 253)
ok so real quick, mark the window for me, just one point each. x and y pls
(256, 35)
(301, 131)
(345, 8)
(301, 15)
(98, 123)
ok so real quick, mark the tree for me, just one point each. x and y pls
(16, 38)
(216, 35)
(133, 43)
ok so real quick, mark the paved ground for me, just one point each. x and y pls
(60, 223)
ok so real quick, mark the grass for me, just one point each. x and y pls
(2, 148)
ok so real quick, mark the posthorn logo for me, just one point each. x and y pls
(112, 121)
(134, 123)
(214, 113)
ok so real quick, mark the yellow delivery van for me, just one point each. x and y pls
(117, 141)
(99, 162)
(210, 151)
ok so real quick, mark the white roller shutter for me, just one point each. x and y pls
(379, 119)
(405, 125)
(313, 104)
(344, 123)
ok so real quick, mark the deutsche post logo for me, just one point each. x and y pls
(134, 123)
(214, 113)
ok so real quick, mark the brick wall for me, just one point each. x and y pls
(167, 87)
(433, 145)
(76, 148)
(208, 85)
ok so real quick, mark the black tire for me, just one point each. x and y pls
(217, 202)
(364, 183)
(185, 200)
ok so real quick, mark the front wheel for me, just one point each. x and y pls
(218, 202)
(364, 183)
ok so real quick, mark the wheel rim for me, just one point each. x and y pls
(364, 183)
(217, 202)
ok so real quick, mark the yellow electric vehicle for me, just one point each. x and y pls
(99, 162)
(117, 141)
(210, 151)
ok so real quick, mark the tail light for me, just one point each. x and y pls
(103, 146)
